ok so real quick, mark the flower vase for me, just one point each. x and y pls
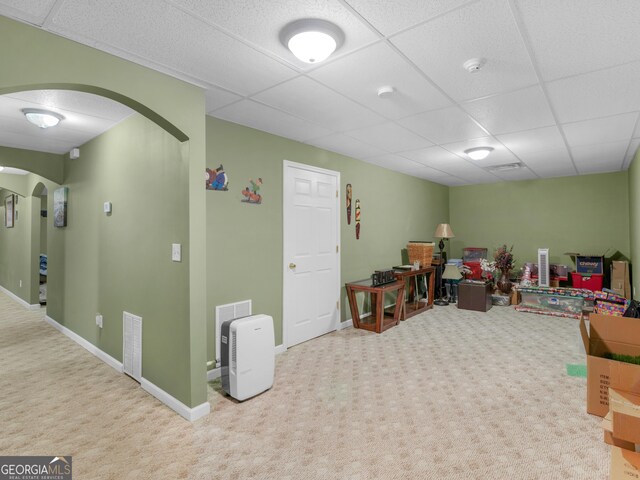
(504, 284)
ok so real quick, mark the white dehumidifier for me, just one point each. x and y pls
(247, 356)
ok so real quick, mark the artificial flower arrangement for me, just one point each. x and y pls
(487, 268)
(504, 260)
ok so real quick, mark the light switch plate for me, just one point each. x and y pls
(107, 207)
(176, 252)
(99, 320)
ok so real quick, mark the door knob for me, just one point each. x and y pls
(292, 266)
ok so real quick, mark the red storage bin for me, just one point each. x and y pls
(590, 282)
(476, 270)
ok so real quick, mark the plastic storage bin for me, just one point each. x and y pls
(590, 282)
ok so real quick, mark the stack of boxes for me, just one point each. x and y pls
(610, 304)
(471, 257)
(589, 272)
(613, 387)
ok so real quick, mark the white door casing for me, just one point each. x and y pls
(311, 252)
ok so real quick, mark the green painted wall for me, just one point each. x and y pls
(587, 214)
(14, 257)
(35, 59)
(108, 264)
(245, 241)
(634, 220)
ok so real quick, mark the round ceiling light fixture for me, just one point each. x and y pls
(478, 153)
(312, 40)
(42, 118)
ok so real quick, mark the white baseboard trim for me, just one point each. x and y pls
(346, 324)
(105, 357)
(22, 302)
(216, 372)
(190, 414)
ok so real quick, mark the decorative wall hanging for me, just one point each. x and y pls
(8, 210)
(349, 204)
(216, 179)
(252, 193)
(60, 207)
(357, 219)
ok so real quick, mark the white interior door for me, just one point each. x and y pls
(311, 244)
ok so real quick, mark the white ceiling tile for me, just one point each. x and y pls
(600, 130)
(443, 126)
(547, 158)
(530, 141)
(484, 30)
(631, 152)
(636, 133)
(577, 36)
(436, 157)
(598, 94)
(499, 156)
(390, 137)
(504, 113)
(31, 142)
(216, 98)
(550, 163)
(246, 18)
(604, 157)
(306, 98)
(160, 35)
(349, 146)
(390, 17)
(267, 119)
(455, 182)
(32, 11)
(361, 74)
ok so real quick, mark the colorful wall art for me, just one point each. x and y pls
(252, 192)
(357, 219)
(216, 179)
(349, 191)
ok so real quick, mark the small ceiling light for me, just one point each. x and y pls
(312, 40)
(478, 153)
(473, 65)
(386, 91)
(42, 118)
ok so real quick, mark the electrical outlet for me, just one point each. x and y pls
(20, 283)
(99, 320)
(176, 252)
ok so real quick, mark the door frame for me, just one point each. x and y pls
(287, 164)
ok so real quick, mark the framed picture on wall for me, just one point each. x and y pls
(9, 207)
(60, 207)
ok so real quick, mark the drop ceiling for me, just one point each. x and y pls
(558, 92)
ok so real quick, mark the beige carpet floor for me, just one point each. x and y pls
(448, 394)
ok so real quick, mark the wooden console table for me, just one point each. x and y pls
(413, 303)
(380, 319)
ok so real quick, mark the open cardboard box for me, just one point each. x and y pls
(609, 439)
(623, 421)
(609, 334)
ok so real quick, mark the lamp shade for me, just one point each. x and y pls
(443, 230)
(451, 272)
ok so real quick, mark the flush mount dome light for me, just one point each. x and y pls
(42, 118)
(478, 153)
(311, 40)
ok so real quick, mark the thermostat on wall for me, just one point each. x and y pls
(107, 207)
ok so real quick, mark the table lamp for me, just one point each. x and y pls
(451, 273)
(443, 230)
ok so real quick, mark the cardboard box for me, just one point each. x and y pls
(620, 278)
(625, 464)
(609, 334)
(589, 265)
(625, 410)
(609, 439)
